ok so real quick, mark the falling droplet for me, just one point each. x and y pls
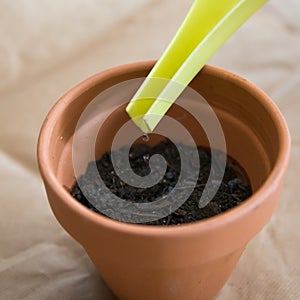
(146, 157)
(146, 137)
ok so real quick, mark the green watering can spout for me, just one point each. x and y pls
(207, 26)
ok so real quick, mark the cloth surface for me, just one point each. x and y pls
(47, 47)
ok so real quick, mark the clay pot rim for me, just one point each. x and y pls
(206, 225)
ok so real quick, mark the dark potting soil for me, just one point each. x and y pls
(233, 189)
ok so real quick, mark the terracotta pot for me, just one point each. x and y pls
(185, 262)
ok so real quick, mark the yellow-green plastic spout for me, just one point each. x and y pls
(207, 26)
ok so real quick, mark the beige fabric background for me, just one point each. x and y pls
(46, 47)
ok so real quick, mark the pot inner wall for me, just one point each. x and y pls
(248, 128)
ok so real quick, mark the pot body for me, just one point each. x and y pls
(192, 261)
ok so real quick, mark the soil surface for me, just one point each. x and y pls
(233, 189)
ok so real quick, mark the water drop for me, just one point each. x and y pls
(146, 137)
(146, 157)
